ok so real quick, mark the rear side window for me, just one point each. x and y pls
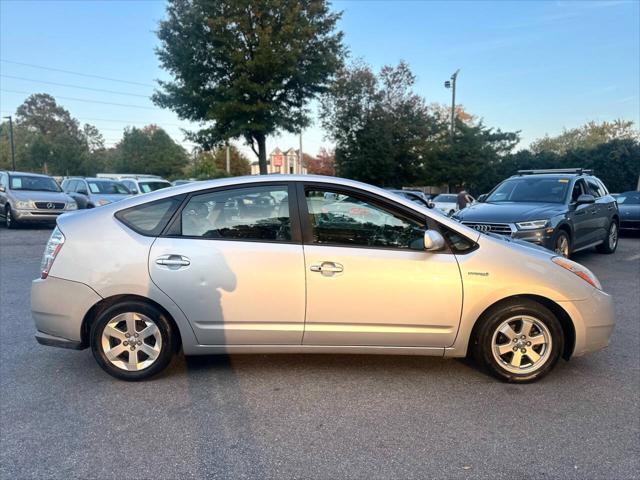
(252, 213)
(597, 190)
(150, 218)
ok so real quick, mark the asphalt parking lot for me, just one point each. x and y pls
(314, 416)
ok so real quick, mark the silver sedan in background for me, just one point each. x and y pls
(306, 264)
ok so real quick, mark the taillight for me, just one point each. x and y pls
(56, 240)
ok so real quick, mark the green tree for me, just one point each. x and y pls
(149, 150)
(586, 136)
(48, 138)
(246, 67)
(379, 125)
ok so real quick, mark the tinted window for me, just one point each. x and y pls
(252, 213)
(531, 189)
(150, 218)
(33, 183)
(81, 187)
(342, 219)
(446, 198)
(579, 188)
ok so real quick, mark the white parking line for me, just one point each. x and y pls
(634, 257)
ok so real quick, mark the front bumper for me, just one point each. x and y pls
(38, 215)
(58, 308)
(593, 320)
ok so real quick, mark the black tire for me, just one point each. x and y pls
(9, 220)
(167, 346)
(609, 245)
(558, 245)
(549, 353)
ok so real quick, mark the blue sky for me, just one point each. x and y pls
(531, 66)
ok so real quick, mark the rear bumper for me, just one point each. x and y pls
(593, 320)
(58, 308)
(629, 224)
(52, 341)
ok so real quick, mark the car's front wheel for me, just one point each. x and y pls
(9, 221)
(132, 341)
(611, 242)
(562, 244)
(519, 341)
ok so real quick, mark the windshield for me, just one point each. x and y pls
(108, 187)
(445, 198)
(146, 187)
(33, 183)
(531, 189)
(629, 198)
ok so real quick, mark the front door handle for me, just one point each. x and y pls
(327, 269)
(173, 261)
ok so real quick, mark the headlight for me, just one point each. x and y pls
(21, 204)
(71, 205)
(583, 272)
(533, 224)
(102, 202)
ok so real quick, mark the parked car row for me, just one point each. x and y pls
(35, 198)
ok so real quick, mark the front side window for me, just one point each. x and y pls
(595, 188)
(251, 213)
(342, 219)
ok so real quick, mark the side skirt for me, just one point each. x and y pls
(351, 349)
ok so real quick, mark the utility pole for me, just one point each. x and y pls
(452, 84)
(228, 159)
(13, 148)
(300, 156)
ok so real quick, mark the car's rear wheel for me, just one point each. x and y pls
(132, 341)
(610, 244)
(520, 341)
(562, 244)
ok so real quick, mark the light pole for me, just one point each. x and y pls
(452, 84)
(228, 159)
(13, 149)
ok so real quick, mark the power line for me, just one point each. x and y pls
(75, 86)
(76, 73)
(86, 100)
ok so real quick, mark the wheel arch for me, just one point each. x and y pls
(560, 313)
(105, 303)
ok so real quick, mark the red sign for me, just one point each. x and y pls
(276, 160)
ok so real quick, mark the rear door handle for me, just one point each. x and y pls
(173, 261)
(327, 269)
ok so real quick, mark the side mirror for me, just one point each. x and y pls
(586, 198)
(2, 188)
(482, 198)
(83, 192)
(433, 241)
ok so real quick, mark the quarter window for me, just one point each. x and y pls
(343, 219)
(150, 218)
(252, 213)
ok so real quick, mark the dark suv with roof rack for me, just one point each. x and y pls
(564, 210)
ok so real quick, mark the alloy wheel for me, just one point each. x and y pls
(521, 344)
(613, 236)
(562, 246)
(131, 341)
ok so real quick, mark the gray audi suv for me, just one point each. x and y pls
(562, 210)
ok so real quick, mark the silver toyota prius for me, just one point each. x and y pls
(282, 264)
